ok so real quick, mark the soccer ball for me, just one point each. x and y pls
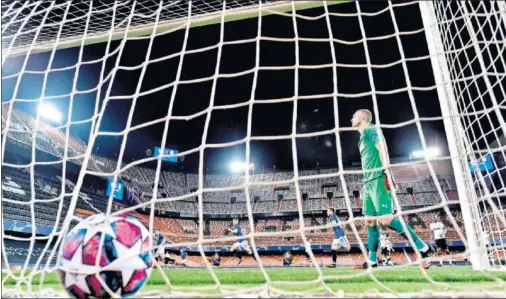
(125, 261)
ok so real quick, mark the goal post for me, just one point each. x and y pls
(472, 51)
(455, 135)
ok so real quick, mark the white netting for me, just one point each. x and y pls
(463, 42)
(22, 20)
(474, 46)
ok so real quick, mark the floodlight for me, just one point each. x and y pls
(49, 112)
(237, 166)
(430, 152)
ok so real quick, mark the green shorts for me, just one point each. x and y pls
(377, 199)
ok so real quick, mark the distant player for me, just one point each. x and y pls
(386, 249)
(159, 257)
(287, 259)
(376, 190)
(486, 240)
(242, 244)
(159, 243)
(340, 240)
(216, 259)
(439, 231)
(184, 257)
(307, 247)
(465, 257)
(391, 248)
(169, 260)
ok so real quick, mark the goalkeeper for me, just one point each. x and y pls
(376, 193)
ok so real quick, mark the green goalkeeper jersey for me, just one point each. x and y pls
(369, 154)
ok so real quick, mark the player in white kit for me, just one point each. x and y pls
(439, 231)
(386, 249)
(307, 247)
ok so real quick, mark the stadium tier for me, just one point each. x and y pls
(268, 199)
(414, 176)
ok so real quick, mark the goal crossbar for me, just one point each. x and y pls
(234, 14)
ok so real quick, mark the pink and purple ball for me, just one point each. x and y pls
(104, 255)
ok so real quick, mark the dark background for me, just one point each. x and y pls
(268, 118)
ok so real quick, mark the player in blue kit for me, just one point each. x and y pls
(287, 259)
(184, 257)
(159, 242)
(216, 259)
(340, 240)
(242, 244)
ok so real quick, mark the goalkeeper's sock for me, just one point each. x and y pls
(334, 257)
(373, 235)
(396, 225)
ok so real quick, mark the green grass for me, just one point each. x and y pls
(401, 280)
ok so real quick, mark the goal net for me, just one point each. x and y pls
(93, 90)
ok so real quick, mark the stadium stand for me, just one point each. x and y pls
(316, 194)
(16, 190)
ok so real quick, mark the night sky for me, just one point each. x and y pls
(268, 119)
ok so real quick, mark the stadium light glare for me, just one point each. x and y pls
(430, 152)
(237, 166)
(49, 112)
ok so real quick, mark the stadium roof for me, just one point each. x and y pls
(501, 141)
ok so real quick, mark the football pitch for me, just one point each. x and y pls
(193, 281)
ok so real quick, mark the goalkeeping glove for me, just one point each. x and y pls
(388, 185)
